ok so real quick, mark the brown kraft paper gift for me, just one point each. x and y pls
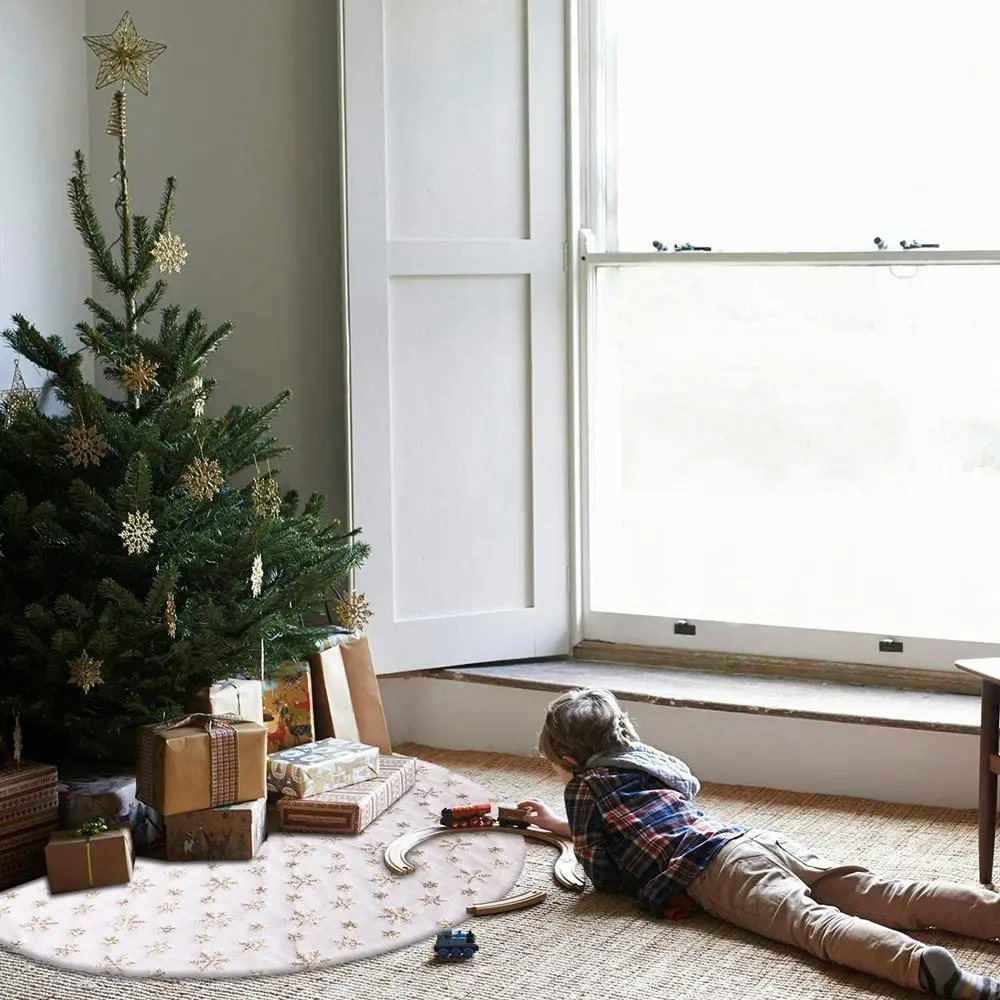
(109, 863)
(347, 702)
(201, 762)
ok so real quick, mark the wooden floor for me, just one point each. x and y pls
(953, 713)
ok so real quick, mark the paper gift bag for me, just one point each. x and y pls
(347, 702)
(200, 762)
(237, 696)
(288, 706)
(76, 861)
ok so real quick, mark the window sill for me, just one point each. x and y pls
(792, 698)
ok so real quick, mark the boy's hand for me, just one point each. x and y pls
(543, 817)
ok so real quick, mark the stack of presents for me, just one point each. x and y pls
(305, 750)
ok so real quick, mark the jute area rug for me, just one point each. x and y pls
(597, 946)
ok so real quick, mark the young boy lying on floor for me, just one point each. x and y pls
(635, 829)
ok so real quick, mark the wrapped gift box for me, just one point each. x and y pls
(229, 833)
(288, 706)
(239, 696)
(347, 702)
(29, 813)
(201, 762)
(75, 862)
(351, 809)
(320, 767)
(113, 798)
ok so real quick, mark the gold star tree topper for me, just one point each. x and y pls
(18, 400)
(124, 56)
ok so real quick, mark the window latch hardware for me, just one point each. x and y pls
(881, 243)
(684, 628)
(890, 646)
(678, 247)
(915, 245)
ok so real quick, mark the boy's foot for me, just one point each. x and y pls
(941, 977)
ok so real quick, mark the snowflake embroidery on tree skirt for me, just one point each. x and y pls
(85, 672)
(139, 376)
(170, 616)
(137, 533)
(353, 611)
(198, 396)
(203, 478)
(169, 253)
(265, 495)
(84, 445)
(257, 575)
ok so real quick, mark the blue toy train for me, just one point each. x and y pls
(455, 946)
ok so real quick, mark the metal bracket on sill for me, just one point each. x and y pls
(890, 646)
(684, 628)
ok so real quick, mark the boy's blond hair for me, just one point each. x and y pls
(584, 722)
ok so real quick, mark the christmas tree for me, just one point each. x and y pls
(133, 570)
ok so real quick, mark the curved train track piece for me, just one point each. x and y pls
(508, 904)
(563, 871)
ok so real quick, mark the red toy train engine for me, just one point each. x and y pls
(481, 814)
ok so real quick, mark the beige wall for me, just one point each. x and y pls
(242, 110)
(44, 271)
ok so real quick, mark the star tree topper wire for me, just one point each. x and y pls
(124, 56)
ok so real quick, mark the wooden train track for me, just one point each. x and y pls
(563, 871)
(509, 903)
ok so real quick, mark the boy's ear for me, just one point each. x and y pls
(570, 761)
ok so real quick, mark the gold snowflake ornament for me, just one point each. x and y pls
(85, 672)
(169, 253)
(257, 575)
(203, 478)
(265, 495)
(198, 396)
(139, 376)
(137, 533)
(353, 611)
(84, 445)
(170, 616)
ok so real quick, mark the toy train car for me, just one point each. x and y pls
(481, 814)
(455, 946)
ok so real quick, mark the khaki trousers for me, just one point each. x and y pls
(767, 883)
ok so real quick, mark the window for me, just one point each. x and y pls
(793, 440)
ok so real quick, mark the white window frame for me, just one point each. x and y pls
(592, 146)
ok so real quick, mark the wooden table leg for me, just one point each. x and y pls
(989, 739)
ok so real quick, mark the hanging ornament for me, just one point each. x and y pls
(124, 55)
(353, 611)
(203, 478)
(116, 117)
(170, 616)
(257, 575)
(84, 445)
(18, 400)
(137, 533)
(198, 396)
(85, 672)
(18, 739)
(139, 376)
(265, 495)
(169, 253)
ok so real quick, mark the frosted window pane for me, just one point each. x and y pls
(783, 125)
(804, 447)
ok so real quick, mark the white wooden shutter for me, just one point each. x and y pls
(455, 156)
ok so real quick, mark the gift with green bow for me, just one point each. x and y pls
(90, 856)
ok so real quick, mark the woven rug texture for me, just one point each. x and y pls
(594, 945)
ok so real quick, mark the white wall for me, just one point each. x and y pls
(803, 755)
(241, 109)
(44, 271)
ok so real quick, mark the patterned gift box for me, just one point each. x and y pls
(29, 813)
(113, 798)
(236, 696)
(74, 862)
(288, 706)
(350, 810)
(201, 762)
(229, 833)
(320, 767)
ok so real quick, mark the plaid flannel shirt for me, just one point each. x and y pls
(631, 834)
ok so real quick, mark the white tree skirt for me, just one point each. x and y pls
(307, 901)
